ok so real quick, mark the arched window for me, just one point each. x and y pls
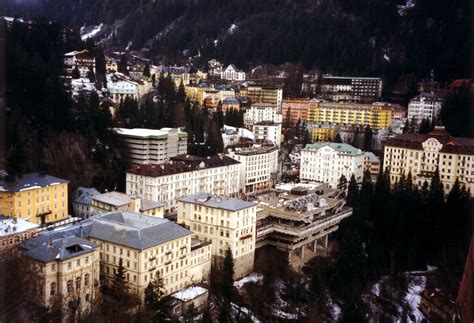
(52, 289)
(78, 283)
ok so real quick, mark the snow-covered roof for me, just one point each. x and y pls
(9, 226)
(189, 293)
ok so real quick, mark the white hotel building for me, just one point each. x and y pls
(149, 146)
(326, 162)
(226, 223)
(267, 131)
(424, 106)
(259, 167)
(184, 175)
(260, 112)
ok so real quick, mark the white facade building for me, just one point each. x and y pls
(259, 167)
(226, 223)
(326, 162)
(422, 154)
(231, 73)
(82, 59)
(425, 106)
(184, 175)
(260, 112)
(267, 132)
(150, 146)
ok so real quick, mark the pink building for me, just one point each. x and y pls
(298, 109)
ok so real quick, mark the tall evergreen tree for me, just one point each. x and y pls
(352, 193)
(75, 74)
(368, 136)
(342, 184)
(122, 66)
(356, 138)
(338, 138)
(425, 126)
(227, 287)
(215, 143)
(146, 70)
(156, 303)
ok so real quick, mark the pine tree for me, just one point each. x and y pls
(406, 128)
(287, 122)
(214, 138)
(157, 304)
(413, 126)
(342, 184)
(146, 70)
(368, 136)
(356, 138)
(75, 74)
(352, 198)
(366, 196)
(227, 286)
(123, 65)
(338, 138)
(425, 126)
(224, 313)
(181, 95)
(91, 75)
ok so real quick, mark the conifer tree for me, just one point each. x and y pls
(425, 126)
(123, 65)
(146, 70)
(75, 73)
(227, 286)
(156, 303)
(368, 136)
(342, 184)
(181, 95)
(338, 138)
(356, 138)
(352, 198)
(214, 138)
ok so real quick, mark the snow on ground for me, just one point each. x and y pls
(253, 277)
(385, 57)
(375, 289)
(92, 32)
(232, 28)
(247, 312)
(244, 133)
(284, 315)
(336, 310)
(403, 9)
(415, 288)
(280, 304)
(189, 293)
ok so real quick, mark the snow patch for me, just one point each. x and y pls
(403, 9)
(375, 289)
(92, 32)
(189, 293)
(413, 298)
(247, 312)
(232, 28)
(385, 57)
(254, 278)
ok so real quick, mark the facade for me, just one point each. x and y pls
(184, 175)
(322, 132)
(13, 232)
(116, 201)
(149, 146)
(226, 223)
(231, 73)
(423, 154)
(121, 86)
(34, 197)
(263, 94)
(355, 89)
(267, 131)
(326, 162)
(82, 202)
(371, 164)
(425, 106)
(260, 112)
(230, 103)
(259, 167)
(350, 114)
(298, 109)
(82, 59)
(65, 269)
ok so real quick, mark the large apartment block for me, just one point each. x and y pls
(259, 167)
(351, 114)
(422, 154)
(355, 89)
(261, 112)
(184, 175)
(425, 106)
(149, 146)
(34, 197)
(267, 132)
(326, 162)
(263, 94)
(226, 223)
(297, 108)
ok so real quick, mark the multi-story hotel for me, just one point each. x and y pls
(422, 154)
(267, 131)
(226, 222)
(371, 164)
(150, 146)
(356, 89)
(298, 109)
(259, 167)
(65, 268)
(34, 197)
(231, 73)
(322, 132)
(117, 201)
(326, 162)
(13, 232)
(263, 94)
(184, 175)
(82, 59)
(425, 106)
(260, 112)
(350, 114)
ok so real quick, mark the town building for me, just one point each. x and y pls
(425, 106)
(326, 162)
(263, 94)
(259, 167)
(82, 202)
(267, 132)
(422, 154)
(117, 201)
(150, 146)
(322, 132)
(184, 175)
(226, 223)
(232, 136)
(230, 103)
(64, 269)
(34, 197)
(350, 114)
(231, 73)
(298, 109)
(371, 164)
(298, 219)
(259, 112)
(13, 232)
(82, 59)
(355, 89)
(121, 86)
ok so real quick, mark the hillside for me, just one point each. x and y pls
(389, 38)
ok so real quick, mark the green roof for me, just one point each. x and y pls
(341, 148)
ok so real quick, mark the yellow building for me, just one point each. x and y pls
(350, 114)
(35, 197)
(117, 201)
(323, 133)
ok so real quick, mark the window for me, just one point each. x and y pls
(78, 283)
(52, 289)
(69, 286)
(86, 280)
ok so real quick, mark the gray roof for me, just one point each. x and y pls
(149, 204)
(134, 230)
(46, 248)
(223, 203)
(83, 195)
(113, 198)
(24, 182)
